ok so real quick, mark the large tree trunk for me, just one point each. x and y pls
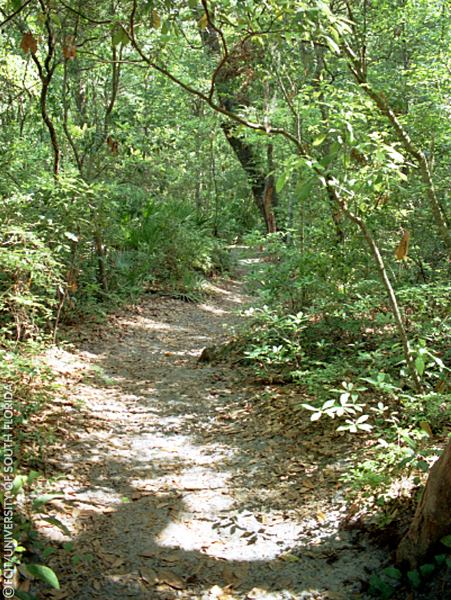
(255, 175)
(432, 519)
(232, 93)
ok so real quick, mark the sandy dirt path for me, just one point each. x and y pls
(183, 480)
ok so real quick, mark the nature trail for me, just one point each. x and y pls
(185, 480)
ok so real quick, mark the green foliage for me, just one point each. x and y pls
(148, 190)
(391, 581)
(346, 406)
(29, 505)
(274, 340)
(33, 387)
(178, 260)
(30, 281)
(289, 278)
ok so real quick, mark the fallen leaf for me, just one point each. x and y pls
(424, 425)
(320, 516)
(171, 579)
(148, 575)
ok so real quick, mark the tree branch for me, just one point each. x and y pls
(15, 13)
(268, 129)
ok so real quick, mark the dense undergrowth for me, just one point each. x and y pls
(59, 263)
(338, 344)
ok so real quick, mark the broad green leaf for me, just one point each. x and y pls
(44, 499)
(57, 523)
(43, 573)
(319, 140)
(303, 189)
(309, 407)
(71, 236)
(419, 365)
(282, 181)
(32, 476)
(393, 572)
(446, 541)
(365, 426)
(326, 160)
(380, 587)
(343, 428)
(427, 569)
(363, 418)
(414, 578)
(18, 483)
(328, 404)
(395, 155)
(344, 398)
(118, 35)
(332, 44)
(55, 18)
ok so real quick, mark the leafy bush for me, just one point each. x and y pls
(273, 341)
(288, 277)
(31, 385)
(170, 246)
(30, 281)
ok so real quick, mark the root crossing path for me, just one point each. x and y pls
(180, 479)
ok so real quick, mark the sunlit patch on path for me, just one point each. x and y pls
(171, 484)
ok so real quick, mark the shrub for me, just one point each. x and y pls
(30, 279)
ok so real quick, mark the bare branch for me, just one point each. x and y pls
(15, 13)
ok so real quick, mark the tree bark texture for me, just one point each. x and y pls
(233, 64)
(432, 519)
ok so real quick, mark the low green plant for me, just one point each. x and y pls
(347, 405)
(391, 580)
(171, 248)
(30, 282)
(273, 341)
(288, 278)
(32, 385)
(430, 367)
(28, 504)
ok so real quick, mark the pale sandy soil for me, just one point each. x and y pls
(183, 480)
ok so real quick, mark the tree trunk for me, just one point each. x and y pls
(46, 70)
(232, 96)
(248, 161)
(432, 519)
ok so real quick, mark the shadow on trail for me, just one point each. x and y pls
(131, 558)
(175, 503)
